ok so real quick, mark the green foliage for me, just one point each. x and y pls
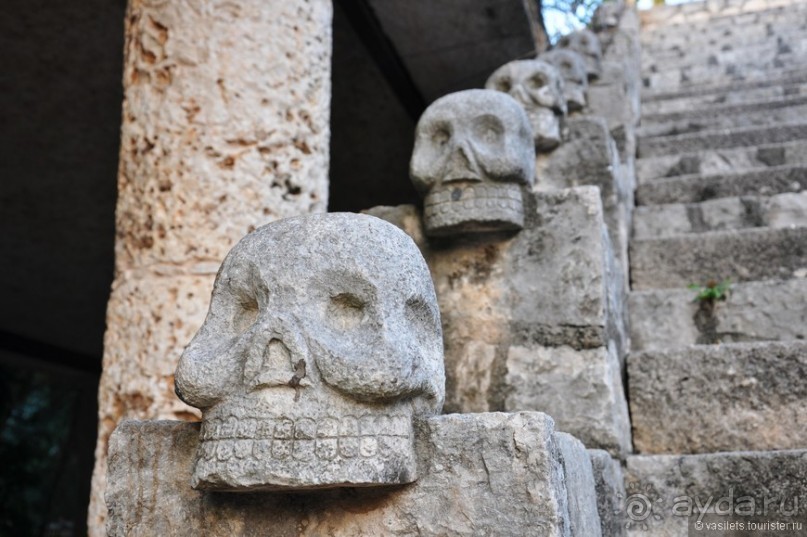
(712, 291)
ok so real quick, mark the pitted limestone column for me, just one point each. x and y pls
(225, 128)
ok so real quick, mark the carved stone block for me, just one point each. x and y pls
(480, 474)
(539, 309)
(589, 156)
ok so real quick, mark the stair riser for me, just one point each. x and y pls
(747, 255)
(780, 211)
(718, 161)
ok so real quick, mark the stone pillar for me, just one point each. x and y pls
(225, 128)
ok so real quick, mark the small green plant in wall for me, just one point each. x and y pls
(712, 291)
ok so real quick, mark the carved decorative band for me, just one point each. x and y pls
(285, 428)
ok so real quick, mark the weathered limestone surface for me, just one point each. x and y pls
(610, 485)
(588, 156)
(674, 485)
(722, 161)
(742, 137)
(702, 74)
(480, 474)
(534, 321)
(744, 255)
(693, 188)
(707, 398)
(780, 211)
(754, 311)
(615, 96)
(584, 518)
(791, 109)
(789, 83)
(781, 43)
(221, 133)
(720, 196)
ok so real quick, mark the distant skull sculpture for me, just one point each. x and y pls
(322, 344)
(538, 88)
(607, 15)
(473, 154)
(572, 68)
(586, 43)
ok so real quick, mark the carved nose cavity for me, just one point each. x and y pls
(461, 166)
(274, 369)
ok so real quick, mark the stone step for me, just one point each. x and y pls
(741, 255)
(779, 211)
(721, 139)
(731, 91)
(666, 494)
(714, 55)
(697, 75)
(677, 42)
(718, 13)
(773, 310)
(787, 110)
(744, 28)
(718, 161)
(733, 397)
(731, 97)
(700, 188)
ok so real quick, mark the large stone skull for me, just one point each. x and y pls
(586, 43)
(572, 67)
(473, 154)
(538, 88)
(322, 344)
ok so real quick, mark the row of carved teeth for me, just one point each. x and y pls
(478, 191)
(284, 428)
(221, 451)
(471, 204)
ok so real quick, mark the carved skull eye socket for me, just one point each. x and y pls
(246, 314)
(488, 129)
(441, 134)
(564, 42)
(346, 311)
(566, 66)
(504, 84)
(536, 81)
(584, 41)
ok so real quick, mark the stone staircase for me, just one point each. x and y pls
(718, 388)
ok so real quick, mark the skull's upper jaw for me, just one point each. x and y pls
(252, 447)
(473, 207)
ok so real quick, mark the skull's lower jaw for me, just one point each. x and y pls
(248, 448)
(464, 208)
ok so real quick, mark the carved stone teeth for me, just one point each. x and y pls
(367, 425)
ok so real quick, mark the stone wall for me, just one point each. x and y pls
(225, 127)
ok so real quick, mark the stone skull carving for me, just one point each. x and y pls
(322, 344)
(572, 68)
(538, 88)
(607, 15)
(587, 44)
(473, 155)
